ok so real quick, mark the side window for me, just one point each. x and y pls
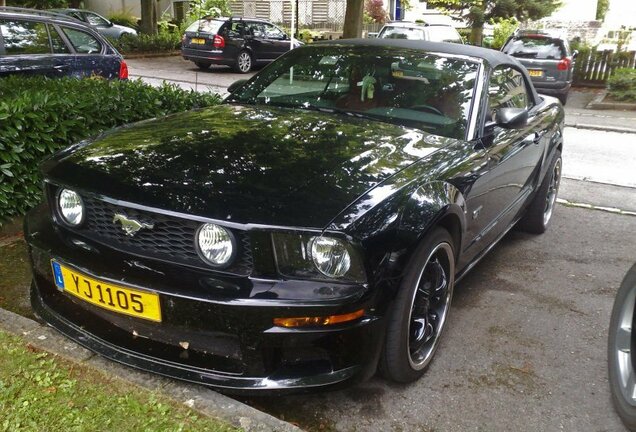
(234, 29)
(83, 42)
(257, 30)
(25, 37)
(507, 88)
(96, 20)
(59, 47)
(272, 32)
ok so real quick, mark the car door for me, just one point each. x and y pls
(33, 48)
(277, 39)
(91, 57)
(257, 42)
(509, 171)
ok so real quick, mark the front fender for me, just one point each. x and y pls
(429, 205)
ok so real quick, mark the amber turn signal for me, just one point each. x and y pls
(318, 321)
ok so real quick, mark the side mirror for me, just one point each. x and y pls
(508, 118)
(236, 85)
(575, 54)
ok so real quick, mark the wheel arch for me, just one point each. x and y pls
(434, 204)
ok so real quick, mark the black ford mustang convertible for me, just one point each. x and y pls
(308, 230)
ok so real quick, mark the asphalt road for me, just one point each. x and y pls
(524, 349)
(183, 73)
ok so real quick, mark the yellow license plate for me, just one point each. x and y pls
(535, 73)
(116, 298)
(198, 41)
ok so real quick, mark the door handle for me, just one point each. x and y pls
(535, 138)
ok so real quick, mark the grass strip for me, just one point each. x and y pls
(42, 392)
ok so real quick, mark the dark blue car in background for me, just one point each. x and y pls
(44, 43)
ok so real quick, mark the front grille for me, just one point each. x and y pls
(171, 238)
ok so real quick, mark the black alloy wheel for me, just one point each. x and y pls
(420, 310)
(540, 211)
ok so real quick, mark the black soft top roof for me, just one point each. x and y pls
(492, 57)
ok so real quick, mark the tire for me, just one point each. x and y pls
(563, 98)
(203, 65)
(243, 62)
(417, 317)
(622, 376)
(539, 213)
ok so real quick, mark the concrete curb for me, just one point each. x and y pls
(203, 400)
(133, 56)
(598, 127)
(598, 104)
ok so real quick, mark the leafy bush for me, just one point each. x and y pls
(504, 27)
(124, 18)
(143, 43)
(201, 8)
(39, 116)
(622, 85)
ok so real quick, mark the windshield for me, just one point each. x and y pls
(205, 25)
(410, 33)
(535, 47)
(406, 87)
(441, 33)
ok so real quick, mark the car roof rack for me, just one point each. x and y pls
(39, 12)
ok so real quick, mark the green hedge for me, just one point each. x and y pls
(143, 43)
(622, 85)
(39, 116)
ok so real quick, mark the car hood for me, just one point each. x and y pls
(244, 164)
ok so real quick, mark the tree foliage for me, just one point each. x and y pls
(477, 12)
(374, 9)
(602, 6)
(38, 4)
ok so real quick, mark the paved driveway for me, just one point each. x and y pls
(183, 73)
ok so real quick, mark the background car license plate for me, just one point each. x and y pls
(125, 300)
(535, 73)
(198, 41)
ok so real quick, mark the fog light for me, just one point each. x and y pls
(70, 207)
(318, 321)
(216, 244)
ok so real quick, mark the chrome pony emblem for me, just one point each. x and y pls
(130, 226)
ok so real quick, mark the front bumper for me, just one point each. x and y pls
(207, 336)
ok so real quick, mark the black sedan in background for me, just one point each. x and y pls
(240, 43)
(45, 43)
(307, 230)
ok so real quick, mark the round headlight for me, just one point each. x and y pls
(71, 207)
(330, 256)
(215, 244)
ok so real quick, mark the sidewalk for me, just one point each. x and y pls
(578, 116)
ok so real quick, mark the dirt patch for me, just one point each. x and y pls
(15, 278)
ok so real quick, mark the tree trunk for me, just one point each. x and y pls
(353, 19)
(477, 34)
(148, 17)
(2, 3)
(75, 4)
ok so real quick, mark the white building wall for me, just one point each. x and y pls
(621, 13)
(576, 10)
(106, 7)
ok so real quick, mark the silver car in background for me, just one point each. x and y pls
(548, 59)
(420, 31)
